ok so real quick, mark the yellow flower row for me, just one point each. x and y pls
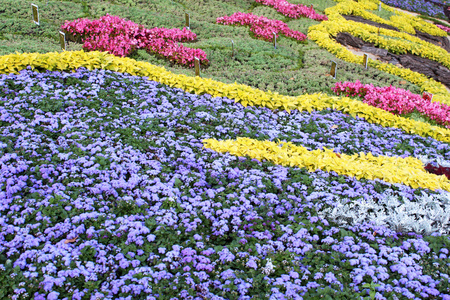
(360, 9)
(405, 43)
(415, 22)
(243, 94)
(321, 35)
(402, 21)
(407, 171)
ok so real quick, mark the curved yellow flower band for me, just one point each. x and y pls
(407, 171)
(401, 20)
(243, 94)
(322, 33)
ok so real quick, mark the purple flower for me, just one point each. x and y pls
(53, 295)
(251, 264)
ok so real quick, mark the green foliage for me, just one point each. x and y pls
(434, 20)
(372, 287)
(319, 5)
(10, 277)
(124, 2)
(12, 43)
(384, 14)
(293, 68)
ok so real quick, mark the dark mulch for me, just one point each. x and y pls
(441, 41)
(447, 11)
(365, 21)
(416, 63)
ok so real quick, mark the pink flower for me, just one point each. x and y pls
(120, 37)
(262, 27)
(445, 28)
(396, 100)
(294, 11)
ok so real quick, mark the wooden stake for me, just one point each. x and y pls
(62, 40)
(188, 20)
(35, 10)
(275, 40)
(197, 66)
(333, 69)
(365, 60)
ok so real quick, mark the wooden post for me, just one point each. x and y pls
(197, 66)
(35, 10)
(275, 40)
(366, 60)
(188, 20)
(333, 69)
(62, 40)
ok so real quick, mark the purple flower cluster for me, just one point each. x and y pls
(420, 6)
(107, 192)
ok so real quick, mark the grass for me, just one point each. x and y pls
(383, 13)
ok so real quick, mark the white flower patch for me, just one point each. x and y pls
(438, 160)
(206, 116)
(425, 214)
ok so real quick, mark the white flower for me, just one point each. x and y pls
(269, 268)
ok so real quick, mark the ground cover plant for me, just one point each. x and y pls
(125, 180)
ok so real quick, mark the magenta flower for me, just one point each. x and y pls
(120, 37)
(294, 11)
(396, 100)
(262, 27)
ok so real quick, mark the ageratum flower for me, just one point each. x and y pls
(115, 160)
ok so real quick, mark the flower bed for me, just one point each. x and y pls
(393, 41)
(120, 37)
(240, 93)
(115, 186)
(321, 35)
(110, 193)
(262, 27)
(294, 11)
(400, 20)
(441, 41)
(395, 100)
(408, 171)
